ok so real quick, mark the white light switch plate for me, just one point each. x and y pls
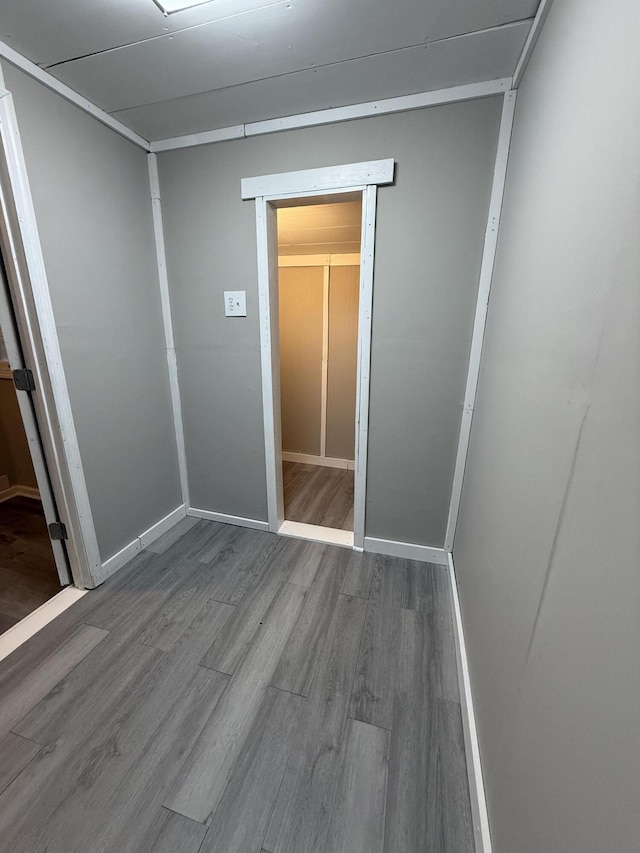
(235, 303)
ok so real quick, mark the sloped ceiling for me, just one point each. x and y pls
(232, 61)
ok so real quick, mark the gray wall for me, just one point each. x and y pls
(548, 548)
(92, 202)
(429, 243)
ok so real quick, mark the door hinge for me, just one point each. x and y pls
(57, 530)
(23, 380)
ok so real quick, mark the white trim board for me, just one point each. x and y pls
(316, 181)
(35, 621)
(122, 557)
(324, 461)
(172, 363)
(534, 34)
(223, 518)
(317, 533)
(479, 811)
(406, 550)
(482, 305)
(336, 115)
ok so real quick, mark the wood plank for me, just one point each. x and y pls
(201, 783)
(362, 791)
(427, 805)
(301, 654)
(164, 542)
(373, 691)
(111, 670)
(16, 753)
(308, 792)
(292, 561)
(359, 575)
(241, 819)
(23, 693)
(315, 494)
(94, 782)
(174, 833)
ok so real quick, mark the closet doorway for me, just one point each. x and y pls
(318, 308)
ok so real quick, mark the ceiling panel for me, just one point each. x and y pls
(482, 56)
(50, 31)
(457, 17)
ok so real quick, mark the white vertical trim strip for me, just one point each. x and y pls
(25, 265)
(534, 34)
(172, 365)
(266, 356)
(365, 307)
(19, 61)
(484, 288)
(472, 747)
(325, 362)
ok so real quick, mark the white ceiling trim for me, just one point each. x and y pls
(534, 33)
(335, 115)
(30, 68)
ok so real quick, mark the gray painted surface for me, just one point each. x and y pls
(91, 195)
(429, 243)
(548, 546)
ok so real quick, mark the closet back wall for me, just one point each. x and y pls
(429, 239)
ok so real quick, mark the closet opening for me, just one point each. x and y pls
(318, 310)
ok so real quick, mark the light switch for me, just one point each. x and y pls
(235, 303)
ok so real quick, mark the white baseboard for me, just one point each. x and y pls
(31, 624)
(472, 748)
(317, 533)
(19, 492)
(324, 461)
(408, 550)
(118, 560)
(238, 520)
(160, 527)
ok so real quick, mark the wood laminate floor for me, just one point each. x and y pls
(318, 495)
(237, 692)
(28, 575)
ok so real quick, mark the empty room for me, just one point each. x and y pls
(319, 457)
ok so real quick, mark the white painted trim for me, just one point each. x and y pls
(365, 310)
(34, 312)
(484, 288)
(317, 533)
(172, 363)
(315, 181)
(404, 103)
(534, 34)
(18, 491)
(118, 560)
(336, 115)
(22, 631)
(472, 747)
(324, 379)
(224, 134)
(332, 259)
(156, 530)
(19, 61)
(223, 518)
(407, 550)
(324, 461)
(267, 247)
